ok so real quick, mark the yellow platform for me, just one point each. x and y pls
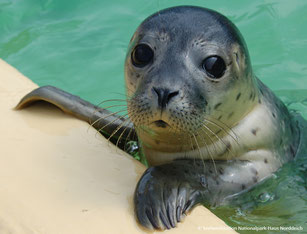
(58, 176)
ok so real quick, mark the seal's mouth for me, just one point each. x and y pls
(160, 123)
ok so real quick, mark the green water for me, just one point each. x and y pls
(80, 46)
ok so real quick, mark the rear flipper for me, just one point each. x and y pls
(167, 192)
(101, 119)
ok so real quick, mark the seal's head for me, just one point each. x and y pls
(187, 74)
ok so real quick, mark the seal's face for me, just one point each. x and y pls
(187, 72)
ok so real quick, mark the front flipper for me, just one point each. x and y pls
(99, 118)
(167, 192)
(163, 197)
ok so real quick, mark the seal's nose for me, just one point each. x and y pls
(164, 96)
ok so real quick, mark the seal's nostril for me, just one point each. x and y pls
(157, 91)
(171, 95)
(164, 96)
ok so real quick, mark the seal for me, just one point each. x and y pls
(207, 126)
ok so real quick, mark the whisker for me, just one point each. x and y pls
(100, 129)
(108, 100)
(121, 94)
(111, 100)
(220, 139)
(192, 147)
(208, 136)
(120, 136)
(107, 116)
(234, 138)
(198, 148)
(108, 107)
(91, 124)
(209, 152)
(127, 138)
(117, 129)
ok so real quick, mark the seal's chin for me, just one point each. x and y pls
(160, 124)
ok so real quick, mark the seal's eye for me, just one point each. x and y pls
(214, 66)
(141, 55)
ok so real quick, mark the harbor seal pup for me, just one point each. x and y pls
(207, 126)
